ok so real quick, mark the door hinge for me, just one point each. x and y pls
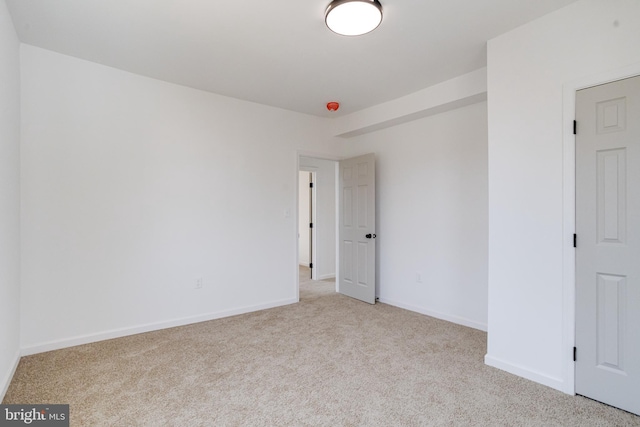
(311, 185)
(575, 240)
(575, 352)
(575, 127)
(310, 265)
(310, 225)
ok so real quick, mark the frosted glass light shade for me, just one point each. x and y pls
(353, 17)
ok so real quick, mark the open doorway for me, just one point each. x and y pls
(317, 205)
(345, 195)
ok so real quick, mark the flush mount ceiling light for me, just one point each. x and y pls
(353, 17)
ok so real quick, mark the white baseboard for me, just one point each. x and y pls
(4, 385)
(326, 276)
(448, 317)
(527, 373)
(123, 332)
(304, 264)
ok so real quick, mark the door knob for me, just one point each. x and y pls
(369, 236)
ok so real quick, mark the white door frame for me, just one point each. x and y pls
(569, 210)
(322, 156)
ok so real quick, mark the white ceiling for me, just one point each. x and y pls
(277, 52)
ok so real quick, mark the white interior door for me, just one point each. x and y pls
(357, 220)
(608, 243)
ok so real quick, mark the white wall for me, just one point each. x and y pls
(530, 312)
(132, 188)
(303, 219)
(325, 221)
(432, 213)
(9, 199)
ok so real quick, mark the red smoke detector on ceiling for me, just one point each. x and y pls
(333, 106)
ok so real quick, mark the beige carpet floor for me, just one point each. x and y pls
(327, 361)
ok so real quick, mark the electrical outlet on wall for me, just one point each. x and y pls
(199, 283)
(418, 277)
